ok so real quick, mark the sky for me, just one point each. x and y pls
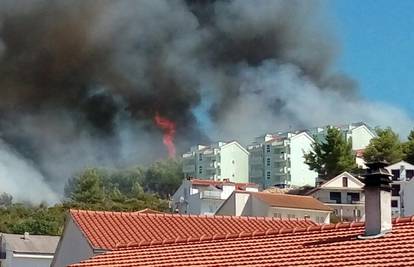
(377, 39)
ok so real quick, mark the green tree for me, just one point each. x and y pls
(409, 148)
(331, 156)
(385, 147)
(164, 177)
(87, 187)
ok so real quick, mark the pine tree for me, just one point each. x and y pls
(385, 147)
(409, 148)
(332, 156)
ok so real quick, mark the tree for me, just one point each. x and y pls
(86, 188)
(164, 177)
(409, 148)
(385, 147)
(331, 156)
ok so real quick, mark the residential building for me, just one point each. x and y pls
(278, 159)
(360, 134)
(203, 197)
(89, 233)
(344, 194)
(282, 206)
(27, 250)
(402, 193)
(217, 161)
(380, 241)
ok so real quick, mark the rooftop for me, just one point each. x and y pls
(109, 230)
(207, 182)
(290, 201)
(36, 244)
(322, 245)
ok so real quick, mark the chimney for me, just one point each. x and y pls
(26, 236)
(377, 192)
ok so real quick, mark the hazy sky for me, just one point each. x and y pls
(377, 38)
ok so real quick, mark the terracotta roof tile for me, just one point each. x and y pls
(291, 201)
(108, 230)
(331, 245)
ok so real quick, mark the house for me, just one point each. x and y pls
(27, 250)
(198, 196)
(217, 161)
(344, 194)
(282, 206)
(380, 242)
(89, 233)
(278, 159)
(402, 201)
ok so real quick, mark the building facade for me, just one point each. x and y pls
(402, 194)
(217, 161)
(344, 194)
(204, 197)
(278, 159)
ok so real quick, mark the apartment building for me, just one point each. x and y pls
(217, 161)
(359, 133)
(278, 159)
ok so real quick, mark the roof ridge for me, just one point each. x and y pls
(256, 233)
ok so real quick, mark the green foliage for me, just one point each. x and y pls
(332, 156)
(385, 147)
(87, 187)
(409, 148)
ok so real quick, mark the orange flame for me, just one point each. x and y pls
(168, 128)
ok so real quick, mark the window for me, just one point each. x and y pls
(268, 162)
(351, 197)
(200, 169)
(268, 175)
(291, 216)
(357, 213)
(394, 203)
(200, 157)
(344, 182)
(277, 215)
(395, 189)
(335, 196)
(409, 174)
(395, 175)
(307, 217)
(268, 148)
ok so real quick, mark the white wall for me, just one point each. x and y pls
(73, 246)
(299, 171)
(234, 163)
(408, 198)
(361, 136)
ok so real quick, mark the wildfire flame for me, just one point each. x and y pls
(168, 128)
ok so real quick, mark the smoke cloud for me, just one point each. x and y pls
(81, 81)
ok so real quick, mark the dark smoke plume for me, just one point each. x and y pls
(81, 80)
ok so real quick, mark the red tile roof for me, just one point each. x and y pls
(316, 246)
(108, 230)
(291, 201)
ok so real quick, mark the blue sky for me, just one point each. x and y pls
(377, 38)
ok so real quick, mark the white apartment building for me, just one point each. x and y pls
(402, 194)
(359, 133)
(204, 197)
(217, 161)
(278, 159)
(344, 194)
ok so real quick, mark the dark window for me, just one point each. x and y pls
(395, 174)
(268, 175)
(200, 157)
(335, 196)
(409, 174)
(200, 170)
(394, 203)
(352, 197)
(344, 181)
(268, 148)
(395, 190)
(268, 162)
